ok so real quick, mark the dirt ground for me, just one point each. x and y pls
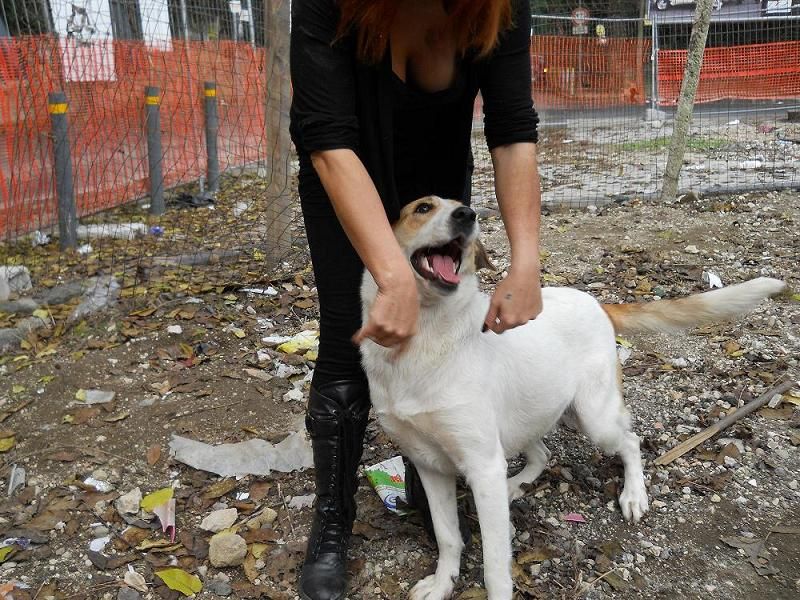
(724, 520)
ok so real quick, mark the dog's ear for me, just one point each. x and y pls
(482, 260)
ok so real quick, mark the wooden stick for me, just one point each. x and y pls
(729, 420)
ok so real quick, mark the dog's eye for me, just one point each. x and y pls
(423, 207)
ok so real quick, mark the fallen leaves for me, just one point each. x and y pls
(180, 581)
(153, 454)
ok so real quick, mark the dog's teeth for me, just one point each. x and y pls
(426, 263)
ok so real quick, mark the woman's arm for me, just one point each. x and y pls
(325, 125)
(518, 297)
(393, 318)
(510, 127)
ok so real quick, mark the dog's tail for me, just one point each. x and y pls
(709, 307)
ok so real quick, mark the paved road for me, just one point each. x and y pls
(723, 111)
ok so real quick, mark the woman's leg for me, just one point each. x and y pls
(338, 408)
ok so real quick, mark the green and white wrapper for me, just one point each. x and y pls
(389, 480)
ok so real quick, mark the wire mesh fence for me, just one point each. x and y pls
(605, 81)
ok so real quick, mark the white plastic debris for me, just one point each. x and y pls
(97, 544)
(102, 293)
(117, 231)
(16, 479)
(267, 291)
(301, 502)
(240, 208)
(294, 395)
(85, 249)
(17, 278)
(712, 279)
(39, 238)
(275, 340)
(95, 396)
(734, 122)
(251, 457)
(100, 486)
(285, 371)
(624, 353)
(175, 329)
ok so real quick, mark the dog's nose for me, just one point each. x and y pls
(464, 215)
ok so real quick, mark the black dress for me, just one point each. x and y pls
(412, 143)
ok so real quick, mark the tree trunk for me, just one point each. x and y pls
(683, 115)
(278, 143)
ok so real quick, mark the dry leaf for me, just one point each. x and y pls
(180, 581)
(153, 454)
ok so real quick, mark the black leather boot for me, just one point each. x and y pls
(336, 420)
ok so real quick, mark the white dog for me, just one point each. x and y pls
(462, 401)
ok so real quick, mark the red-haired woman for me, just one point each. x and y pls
(382, 115)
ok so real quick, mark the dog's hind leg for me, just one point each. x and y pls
(606, 421)
(441, 492)
(537, 456)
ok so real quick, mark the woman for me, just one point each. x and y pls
(382, 115)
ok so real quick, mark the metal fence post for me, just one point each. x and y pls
(67, 214)
(212, 131)
(152, 101)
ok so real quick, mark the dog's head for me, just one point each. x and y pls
(440, 239)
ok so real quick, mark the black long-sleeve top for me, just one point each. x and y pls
(412, 142)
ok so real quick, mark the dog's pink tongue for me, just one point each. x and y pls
(445, 268)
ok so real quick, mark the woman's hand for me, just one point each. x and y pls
(517, 299)
(393, 317)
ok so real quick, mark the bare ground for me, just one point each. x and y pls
(194, 383)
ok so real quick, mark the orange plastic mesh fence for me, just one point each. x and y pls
(769, 71)
(575, 72)
(106, 112)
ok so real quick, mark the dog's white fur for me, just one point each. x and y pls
(462, 401)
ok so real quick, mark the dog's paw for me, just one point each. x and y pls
(633, 502)
(432, 588)
(514, 492)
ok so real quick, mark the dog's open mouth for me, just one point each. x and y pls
(440, 264)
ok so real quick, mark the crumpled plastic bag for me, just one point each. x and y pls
(251, 457)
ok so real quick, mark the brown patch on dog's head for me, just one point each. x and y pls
(414, 216)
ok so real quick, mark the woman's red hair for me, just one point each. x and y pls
(477, 24)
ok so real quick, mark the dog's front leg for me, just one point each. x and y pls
(441, 492)
(487, 478)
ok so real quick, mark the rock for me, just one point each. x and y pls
(219, 520)
(691, 249)
(266, 517)
(129, 503)
(218, 587)
(175, 329)
(101, 292)
(126, 593)
(227, 550)
(15, 279)
(715, 498)
(24, 306)
(61, 294)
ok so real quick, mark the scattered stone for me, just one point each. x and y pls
(227, 550)
(129, 503)
(219, 520)
(218, 587)
(126, 593)
(715, 498)
(265, 517)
